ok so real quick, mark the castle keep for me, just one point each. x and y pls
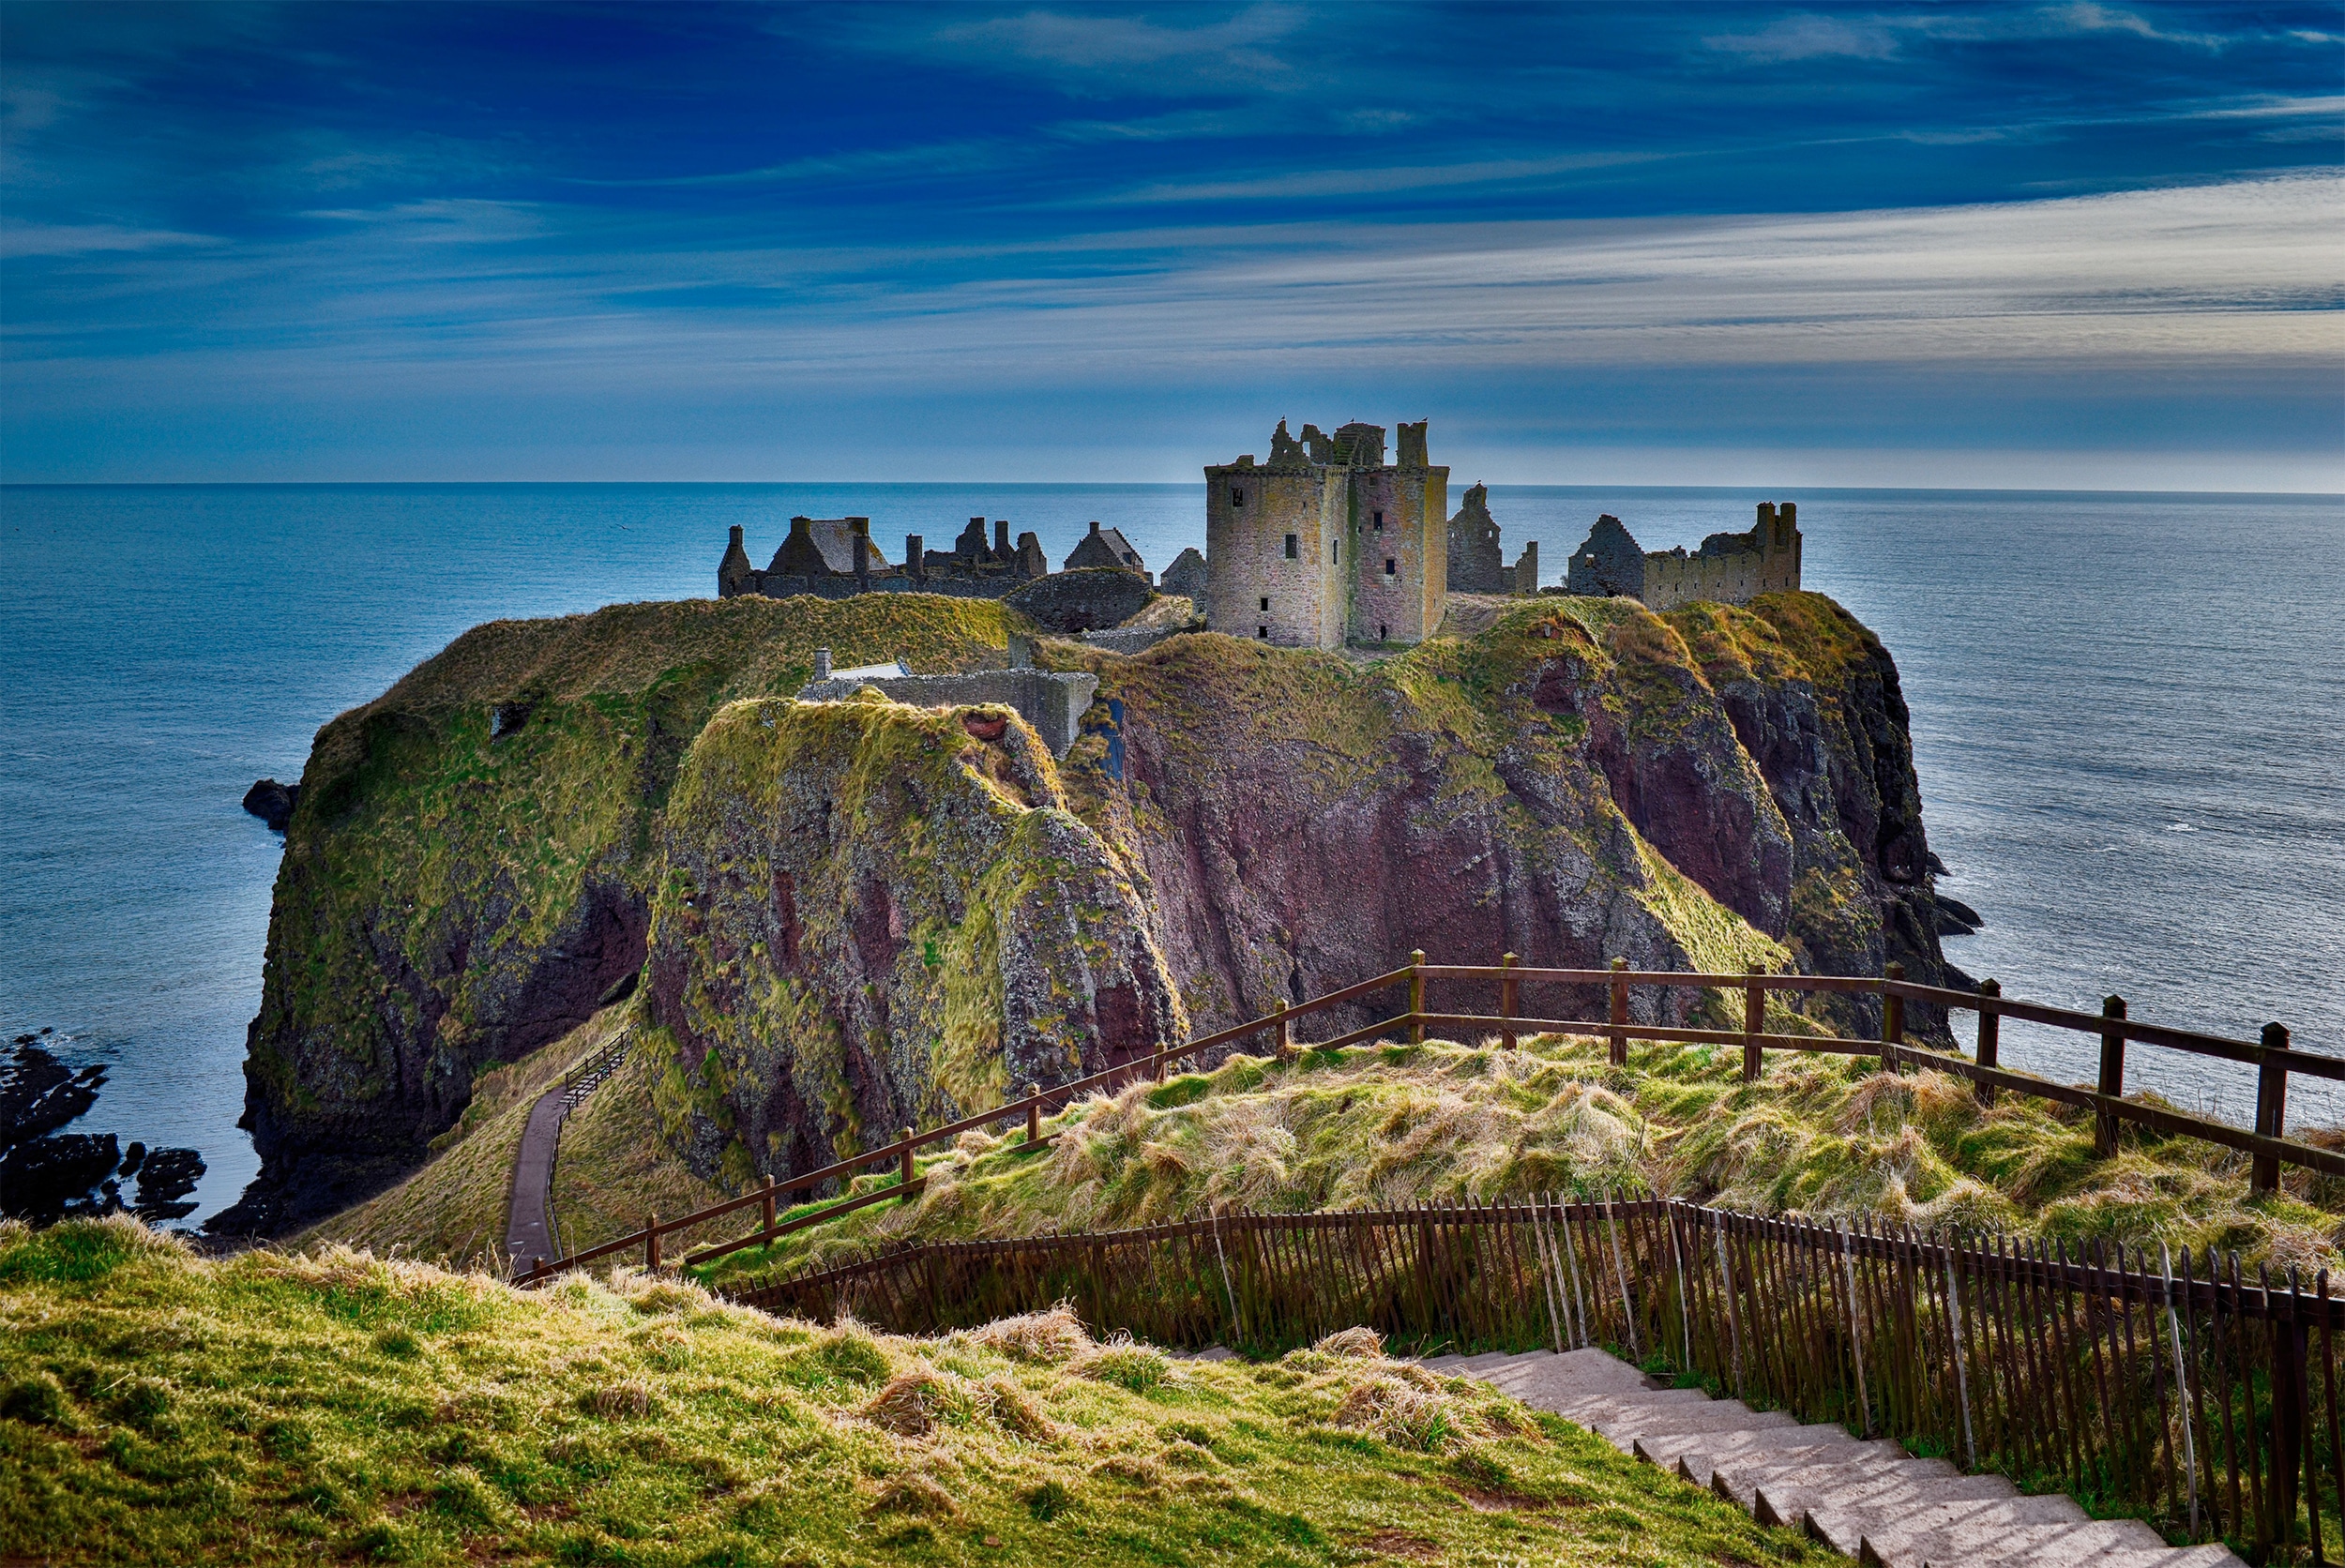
(1729, 568)
(1327, 543)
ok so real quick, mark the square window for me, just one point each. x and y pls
(1392, 567)
(1263, 632)
(1291, 555)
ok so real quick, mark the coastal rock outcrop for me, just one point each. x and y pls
(860, 915)
(273, 803)
(470, 868)
(874, 915)
(1569, 785)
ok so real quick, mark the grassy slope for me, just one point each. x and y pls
(615, 1166)
(409, 804)
(1373, 1125)
(155, 1408)
(454, 1209)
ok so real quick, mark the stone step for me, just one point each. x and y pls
(1627, 1421)
(1977, 1529)
(2215, 1555)
(1702, 1449)
(2051, 1545)
(1835, 1473)
(1574, 1372)
(1702, 1469)
(1789, 1501)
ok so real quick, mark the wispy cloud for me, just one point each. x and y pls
(81, 239)
(1092, 50)
(1353, 182)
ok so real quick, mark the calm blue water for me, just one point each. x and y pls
(2128, 710)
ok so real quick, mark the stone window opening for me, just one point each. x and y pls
(1293, 554)
(1380, 522)
(1392, 567)
(1265, 605)
(1238, 497)
(1263, 632)
(1384, 632)
(1335, 551)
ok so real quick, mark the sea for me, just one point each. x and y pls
(2129, 718)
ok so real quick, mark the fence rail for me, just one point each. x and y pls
(2171, 1388)
(2272, 1056)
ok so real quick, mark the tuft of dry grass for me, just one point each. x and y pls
(161, 1407)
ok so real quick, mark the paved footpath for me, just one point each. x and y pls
(527, 1232)
(1865, 1500)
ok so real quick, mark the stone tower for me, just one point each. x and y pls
(1328, 543)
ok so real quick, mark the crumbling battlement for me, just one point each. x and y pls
(1729, 568)
(1478, 559)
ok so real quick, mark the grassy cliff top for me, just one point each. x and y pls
(159, 1408)
(1390, 1124)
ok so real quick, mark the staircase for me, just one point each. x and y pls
(1865, 1500)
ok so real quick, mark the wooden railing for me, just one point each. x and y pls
(2172, 1389)
(2273, 1057)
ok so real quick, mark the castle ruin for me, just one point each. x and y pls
(1477, 562)
(832, 558)
(1729, 568)
(1328, 543)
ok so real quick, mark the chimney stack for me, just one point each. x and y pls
(915, 566)
(822, 664)
(1001, 537)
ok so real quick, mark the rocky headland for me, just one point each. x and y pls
(861, 916)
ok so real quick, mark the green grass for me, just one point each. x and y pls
(159, 1407)
(453, 1211)
(1372, 1126)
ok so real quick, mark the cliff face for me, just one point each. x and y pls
(1578, 782)
(875, 917)
(469, 867)
(861, 915)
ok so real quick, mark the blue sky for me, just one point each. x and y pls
(2083, 245)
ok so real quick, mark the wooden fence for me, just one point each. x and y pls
(2272, 1056)
(2170, 1389)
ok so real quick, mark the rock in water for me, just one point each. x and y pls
(166, 1179)
(1955, 917)
(273, 803)
(46, 1178)
(39, 1093)
(878, 917)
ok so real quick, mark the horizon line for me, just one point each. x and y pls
(1107, 484)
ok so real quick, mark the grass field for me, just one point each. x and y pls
(157, 1408)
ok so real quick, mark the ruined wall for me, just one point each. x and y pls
(1730, 568)
(1478, 559)
(1400, 575)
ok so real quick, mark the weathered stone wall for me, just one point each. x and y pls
(1477, 561)
(1051, 701)
(1730, 568)
(1257, 589)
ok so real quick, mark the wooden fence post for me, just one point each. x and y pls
(2112, 1075)
(1892, 1021)
(1416, 996)
(766, 1209)
(2271, 1107)
(536, 1270)
(1990, 1037)
(1620, 1011)
(1507, 985)
(1754, 1021)
(904, 1179)
(651, 1243)
(1033, 1113)
(1282, 1039)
